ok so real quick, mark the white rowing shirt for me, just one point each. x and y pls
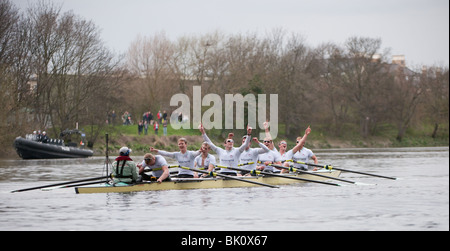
(184, 159)
(157, 171)
(210, 159)
(271, 156)
(228, 158)
(303, 156)
(251, 155)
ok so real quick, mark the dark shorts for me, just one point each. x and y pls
(151, 177)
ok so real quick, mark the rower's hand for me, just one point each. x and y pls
(153, 150)
(308, 130)
(249, 130)
(201, 128)
(159, 180)
(255, 139)
(230, 135)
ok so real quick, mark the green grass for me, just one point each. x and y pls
(320, 137)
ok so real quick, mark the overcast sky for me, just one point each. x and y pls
(418, 29)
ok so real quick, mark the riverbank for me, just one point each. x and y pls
(127, 136)
(141, 144)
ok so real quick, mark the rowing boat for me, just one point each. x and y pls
(203, 183)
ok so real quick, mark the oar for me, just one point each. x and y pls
(73, 185)
(292, 169)
(228, 177)
(329, 167)
(309, 164)
(60, 184)
(280, 175)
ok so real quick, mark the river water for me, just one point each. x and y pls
(419, 200)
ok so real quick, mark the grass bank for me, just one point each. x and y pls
(320, 138)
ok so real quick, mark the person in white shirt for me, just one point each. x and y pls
(184, 157)
(293, 152)
(205, 161)
(229, 155)
(303, 154)
(158, 165)
(270, 157)
(251, 155)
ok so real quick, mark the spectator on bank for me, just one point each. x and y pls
(165, 115)
(140, 127)
(145, 127)
(156, 127)
(165, 126)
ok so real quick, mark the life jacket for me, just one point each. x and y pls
(119, 172)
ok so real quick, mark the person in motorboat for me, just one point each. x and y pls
(44, 137)
(124, 169)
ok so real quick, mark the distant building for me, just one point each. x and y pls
(399, 60)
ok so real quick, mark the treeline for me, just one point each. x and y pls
(332, 86)
(55, 71)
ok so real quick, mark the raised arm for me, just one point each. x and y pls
(247, 140)
(163, 153)
(207, 140)
(263, 148)
(266, 129)
(302, 142)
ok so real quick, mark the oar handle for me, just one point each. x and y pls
(328, 167)
(228, 177)
(296, 170)
(283, 176)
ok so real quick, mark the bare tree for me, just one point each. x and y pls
(403, 98)
(435, 81)
(148, 59)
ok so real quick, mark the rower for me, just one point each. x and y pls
(184, 157)
(229, 155)
(124, 169)
(250, 155)
(289, 154)
(303, 154)
(270, 157)
(205, 161)
(158, 165)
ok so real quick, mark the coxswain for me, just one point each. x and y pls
(124, 169)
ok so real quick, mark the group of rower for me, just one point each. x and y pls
(263, 158)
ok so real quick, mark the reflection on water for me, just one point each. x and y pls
(418, 201)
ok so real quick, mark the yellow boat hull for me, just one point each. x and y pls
(203, 183)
